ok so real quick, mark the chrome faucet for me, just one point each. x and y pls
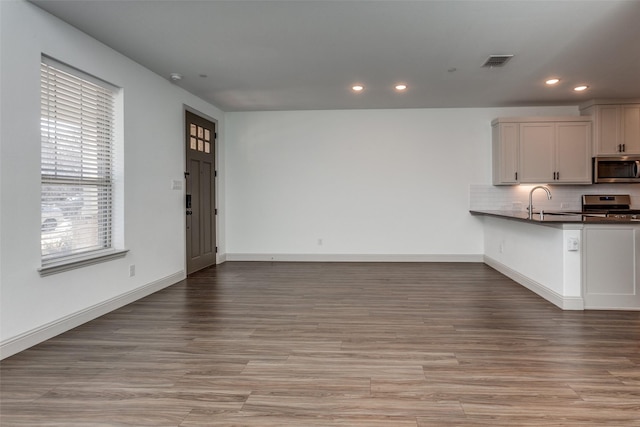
(531, 198)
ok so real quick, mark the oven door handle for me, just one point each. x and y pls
(637, 167)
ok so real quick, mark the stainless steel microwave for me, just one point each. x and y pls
(616, 169)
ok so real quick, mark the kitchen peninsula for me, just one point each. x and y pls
(574, 261)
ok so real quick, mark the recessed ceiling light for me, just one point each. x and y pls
(401, 87)
(176, 77)
(553, 81)
(357, 88)
(580, 88)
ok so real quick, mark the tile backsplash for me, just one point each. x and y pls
(565, 197)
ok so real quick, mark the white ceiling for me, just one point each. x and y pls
(305, 54)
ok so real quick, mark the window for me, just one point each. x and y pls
(77, 163)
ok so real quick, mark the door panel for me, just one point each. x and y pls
(612, 273)
(573, 154)
(631, 129)
(206, 209)
(608, 129)
(536, 152)
(193, 189)
(200, 186)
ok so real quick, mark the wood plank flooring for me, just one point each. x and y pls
(334, 344)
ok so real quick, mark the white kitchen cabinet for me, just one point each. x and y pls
(631, 129)
(573, 153)
(537, 157)
(616, 126)
(611, 265)
(552, 150)
(505, 138)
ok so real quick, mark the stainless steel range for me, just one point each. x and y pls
(615, 206)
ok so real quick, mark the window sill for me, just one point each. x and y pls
(72, 264)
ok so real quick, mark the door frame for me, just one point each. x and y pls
(185, 147)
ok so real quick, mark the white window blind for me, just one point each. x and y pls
(77, 130)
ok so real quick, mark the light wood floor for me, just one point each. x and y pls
(354, 344)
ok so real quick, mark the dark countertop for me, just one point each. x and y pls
(554, 218)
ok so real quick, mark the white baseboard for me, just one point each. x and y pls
(352, 257)
(565, 303)
(42, 333)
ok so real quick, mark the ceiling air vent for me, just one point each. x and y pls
(497, 60)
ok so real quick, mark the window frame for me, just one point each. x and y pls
(81, 162)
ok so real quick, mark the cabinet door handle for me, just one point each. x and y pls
(624, 148)
(558, 175)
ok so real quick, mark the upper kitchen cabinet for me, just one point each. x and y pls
(537, 152)
(506, 141)
(616, 126)
(532, 150)
(573, 153)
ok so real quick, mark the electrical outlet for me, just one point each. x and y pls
(573, 244)
(319, 242)
(132, 270)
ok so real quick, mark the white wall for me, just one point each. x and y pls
(363, 181)
(533, 250)
(537, 257)
(31, 306)
(372, 184)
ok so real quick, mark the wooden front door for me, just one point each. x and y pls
(200, 192)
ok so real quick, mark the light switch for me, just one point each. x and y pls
(176, 184)
(573, 244)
